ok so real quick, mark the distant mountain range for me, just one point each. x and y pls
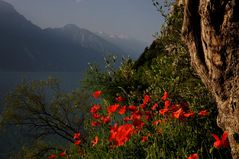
(26, 47)
(129, 45)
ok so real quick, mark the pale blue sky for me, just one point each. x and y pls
(135, 18)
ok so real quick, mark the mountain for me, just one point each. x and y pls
(130, 45)
(27, 47)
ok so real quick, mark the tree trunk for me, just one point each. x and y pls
(211, 32)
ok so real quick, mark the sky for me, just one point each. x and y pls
(138, 19)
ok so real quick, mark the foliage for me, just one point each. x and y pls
(44, 112)
(146, 130)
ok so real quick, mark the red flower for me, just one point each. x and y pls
(189, 114)
(156, 122)
(119, 99)
(193, 156)
(136, 115)
(96, 116)
(203, 113)
(146, 99)
(144, 139)
(62, 154)
(97, 94)
(127, 119)
(77, 142)
(76, 136)
(167, 104)
(221, 143)
(132, 108)
(163, 111)
(112, 108)
(95, 123)
(52, 156)
(154, 106)
(95, 141)
(121, 134)
(143, 106)
(165, 96)
(94, 108)
(178, 113)
(105, 119)
(122, 110)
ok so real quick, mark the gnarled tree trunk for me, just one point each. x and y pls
(211, 32)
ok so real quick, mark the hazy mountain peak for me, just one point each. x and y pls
(5, 4)
(6, 8)
(74, 30)
(127, 44)
(119, 36)
(71, 27)
(11, 19)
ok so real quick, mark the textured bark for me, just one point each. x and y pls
(211, 32)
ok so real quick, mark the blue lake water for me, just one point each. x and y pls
(68, 80)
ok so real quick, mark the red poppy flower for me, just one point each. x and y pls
(143, 106)
(96, 116)
(163, 111)
(121, 134)
(119, 99)
(113, 132)
(113, 108)
(203, 113)
(122, 110)
(95, 123)
(52, 156)
(167, 104)
(221, 143)
(62, 154)
(154, 106)
(189, 114)
(77, 142)
(178, 113)
(132, 108)
(105, 119)
(136, 115)
(156, 122)
(95, 141)
(146, 99)
(97, 94)
(95, 108)
(127, 119)
(193, 156)
(165, 96)
(144, 138)
(76, 136)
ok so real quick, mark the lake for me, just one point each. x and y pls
(68, 80)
